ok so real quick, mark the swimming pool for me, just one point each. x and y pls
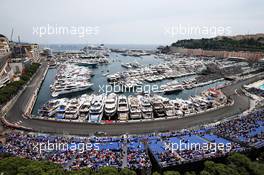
(262, 87)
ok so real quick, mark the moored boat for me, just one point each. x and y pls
(110, 105)
(134, 108)
(169, 108)
(97, 109)
(70, 88)
(72, 109)
(85, 105)
(145, 106)
(172, 87)
(158, 107)
(122, 108)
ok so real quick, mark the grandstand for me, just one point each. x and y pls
(236, 135)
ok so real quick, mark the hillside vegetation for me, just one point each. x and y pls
(237, 43)
(236, 164)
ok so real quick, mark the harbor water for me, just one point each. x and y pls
(99, 79)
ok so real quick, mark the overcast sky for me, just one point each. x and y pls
(128, 21)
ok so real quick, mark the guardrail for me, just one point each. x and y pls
(14, 126)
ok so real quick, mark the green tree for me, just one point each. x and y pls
(190, 173)
(171, 173)
(127, 171)
(244, 165)
(205, 173)
(84, 171)
(108, 171)
(11, 165)
(219, 169)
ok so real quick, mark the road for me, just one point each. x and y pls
(14, 115)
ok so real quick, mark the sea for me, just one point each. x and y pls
(99, 79)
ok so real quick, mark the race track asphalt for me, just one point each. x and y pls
(14, 115)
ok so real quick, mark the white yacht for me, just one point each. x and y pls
(145, 106)
(111, 105)
(158, 107)
(49, 109)
(69, 79)
(122, 109)
(126, 65)
(70, 88)
(97, 109)
(134, 108)
(169, 108)
(72, 109)
(172, 87)
(60, 111)
(85, 101)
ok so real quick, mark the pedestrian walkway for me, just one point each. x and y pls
(124, 151)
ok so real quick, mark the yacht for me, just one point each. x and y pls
(131, 84)
(122, 109)
(172, 87)
(85, 105)
(72, 109)
(145, 106)
(97, 109)
(69, 79)
(49, 109)
(85, 62)
(134, 108)
(126, 65)
(169, 108)
(70, 88)
(111, 105)
(60, 111)
(158, 107)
